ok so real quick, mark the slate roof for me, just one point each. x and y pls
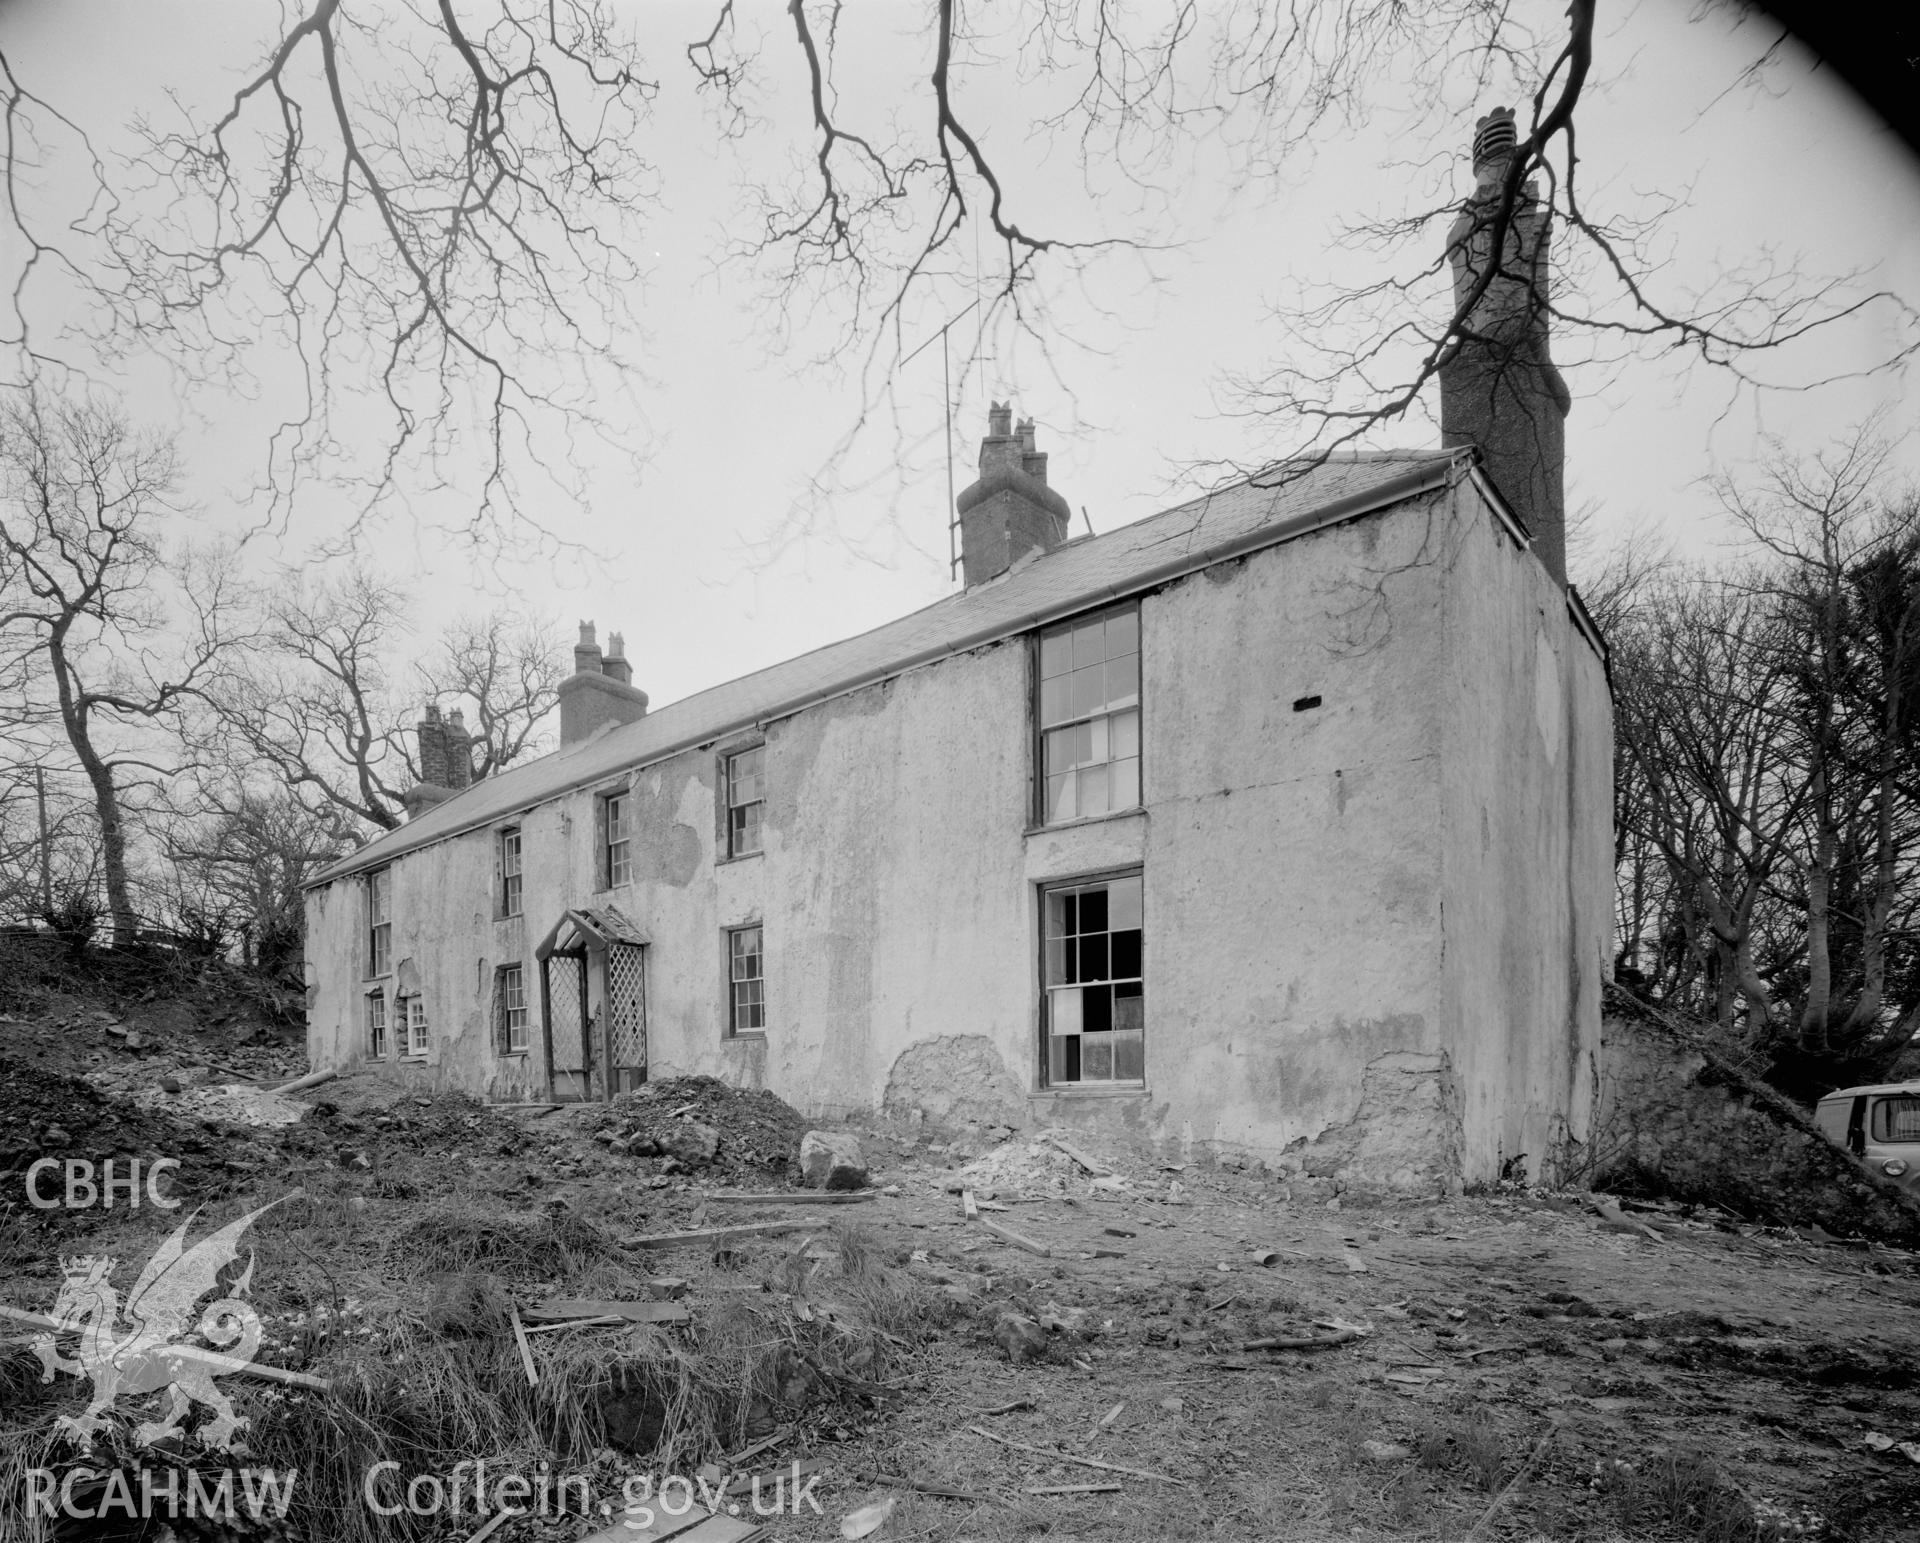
(1085, 572)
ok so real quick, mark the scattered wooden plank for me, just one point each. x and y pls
(1540, 1450)
(301, 1084)
(1019, 1240)
(793, 1472)
(1474, 1355)
(213, 1360)
(991, 1205)
(894, 1481)
(766, 1443)
(1304, 1341)
(724, 1529)
(1071, 1489)
(799, 1197)
(492, 1525)
(526, 1350)
(1108, 1253)
(575, 1323)
(1018, 1403)
(968, 1208)
(711, 1234)
(1099, 1170)
(571, 1309)
(1119, 1232)
(1110, 1416)
(1067, 1457)
(662, 1527)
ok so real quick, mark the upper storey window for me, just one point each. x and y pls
(1089, 715)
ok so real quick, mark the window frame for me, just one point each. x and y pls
(379, 936)
(512, 871)
(1042, 892)
(377, 1028)
(1041, 804)
(615, 875)
(758, 1000)
(730, 847)
(504, 1011)
(413, 1015)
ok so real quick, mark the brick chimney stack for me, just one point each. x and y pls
(1499, 389)
(459, 751)
(433, 747)
(600, 692)
(1010, 511)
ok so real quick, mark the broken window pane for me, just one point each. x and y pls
(1093, 957)
(1095, 1018)
(1089, 690)
(1096, 1058)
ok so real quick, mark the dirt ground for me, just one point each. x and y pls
(1502, 1366)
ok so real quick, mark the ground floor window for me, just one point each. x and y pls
(746, 981)
(377, 1025)
(416, 1016)
(510, 1008)
(1093, 965)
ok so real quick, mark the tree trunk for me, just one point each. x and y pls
(75, 719)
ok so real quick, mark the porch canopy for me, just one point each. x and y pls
(590, 925)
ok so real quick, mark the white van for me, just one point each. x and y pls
(1879, 1123)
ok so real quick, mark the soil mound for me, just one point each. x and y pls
(757, 1133)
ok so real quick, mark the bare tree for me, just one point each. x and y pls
(325, 709)
(438, 205)
(112, 639)
(510, 668)
(1769, 788)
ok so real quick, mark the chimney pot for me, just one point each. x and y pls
(600, 693)
(616, 666)
(586, 653)
(1499, 389)
(1010, 511)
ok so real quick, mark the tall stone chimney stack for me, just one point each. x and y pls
(600, 691)
(459, 751)
(1010, 511)
(1499, 389)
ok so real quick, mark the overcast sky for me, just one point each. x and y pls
(698, 556)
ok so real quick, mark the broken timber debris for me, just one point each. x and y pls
(1068, 1457)
(947, 1491)
(1305, 1341)
(967, 1207)
(709, 1234)
(1071, 1489)
(588, 1311)
(1019, 1240)
(526, 1350)
(799, 1197)
(1098, 1169)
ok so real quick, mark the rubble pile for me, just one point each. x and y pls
(1033, 1171)
(702, 1124)
(46, 1115)
(195, 1093)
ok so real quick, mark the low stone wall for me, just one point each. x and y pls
(1671, 1121)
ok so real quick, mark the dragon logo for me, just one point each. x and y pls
(151, 1354)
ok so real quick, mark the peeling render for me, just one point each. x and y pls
(1373, 931)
